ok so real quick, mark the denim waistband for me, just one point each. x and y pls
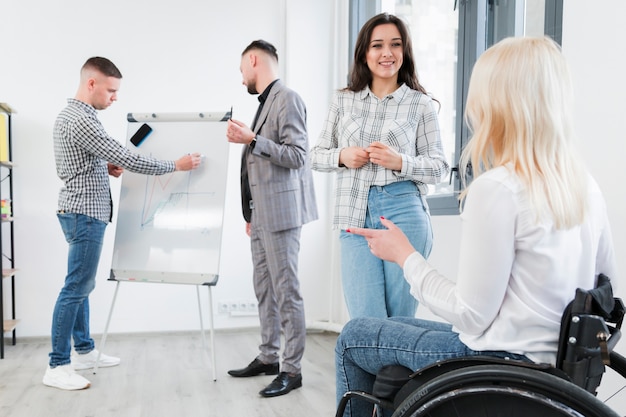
(400, 185)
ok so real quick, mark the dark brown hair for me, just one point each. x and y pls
(104, 66)
(360, 74)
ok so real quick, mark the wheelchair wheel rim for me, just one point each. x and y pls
(493, 377)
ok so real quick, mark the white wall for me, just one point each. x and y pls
(593, 36)
(593, 44)
(175, 57)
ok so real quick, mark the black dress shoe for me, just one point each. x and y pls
(256, 367)
(282, 385)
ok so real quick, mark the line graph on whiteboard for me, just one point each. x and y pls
(169, 227)
(170, 202)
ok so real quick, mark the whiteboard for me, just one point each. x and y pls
(169, 227)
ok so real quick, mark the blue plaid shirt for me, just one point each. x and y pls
(82, 149)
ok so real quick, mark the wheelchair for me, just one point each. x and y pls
(484, 386)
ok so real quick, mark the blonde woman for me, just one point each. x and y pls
(534, 228)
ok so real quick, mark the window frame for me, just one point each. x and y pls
(473, 40)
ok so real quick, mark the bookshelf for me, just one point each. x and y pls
(7, 259)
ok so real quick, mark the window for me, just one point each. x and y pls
(448, 36)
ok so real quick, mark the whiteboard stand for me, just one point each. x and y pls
(169, 227)
(202, 333)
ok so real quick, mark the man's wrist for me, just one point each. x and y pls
(252, 143)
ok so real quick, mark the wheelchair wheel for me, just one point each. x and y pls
(500, 391)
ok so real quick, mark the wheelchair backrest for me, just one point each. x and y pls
(590, 329)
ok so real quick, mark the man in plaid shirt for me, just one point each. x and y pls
(85, 157)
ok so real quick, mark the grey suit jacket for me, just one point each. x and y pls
(280, 177)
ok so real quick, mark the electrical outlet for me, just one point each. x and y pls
(222, 307)
(239, 307)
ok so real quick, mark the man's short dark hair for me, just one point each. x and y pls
(263, 46)
(103, 65)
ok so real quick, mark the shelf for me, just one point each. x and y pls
(7, 263)
(6, 273)
(6, 108)
(9, 325)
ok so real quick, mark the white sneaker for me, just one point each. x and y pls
(64, 377)
(88, 360)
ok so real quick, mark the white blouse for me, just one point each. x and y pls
(515, 275)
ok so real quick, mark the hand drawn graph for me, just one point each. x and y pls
(169, 227)
(164, 207)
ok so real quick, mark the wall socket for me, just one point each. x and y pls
(237, 307)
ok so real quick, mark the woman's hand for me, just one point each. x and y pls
(383, 155)
(353, 157)
(389, 244)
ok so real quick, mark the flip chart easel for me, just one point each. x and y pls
(169, 227)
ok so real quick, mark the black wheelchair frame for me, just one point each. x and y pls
(484, 386)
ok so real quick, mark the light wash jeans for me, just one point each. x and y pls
(365, 345)
(84, 235)
(373, 287)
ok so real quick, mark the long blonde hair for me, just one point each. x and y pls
(519, 111)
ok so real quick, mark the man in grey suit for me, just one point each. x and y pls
(277, 199)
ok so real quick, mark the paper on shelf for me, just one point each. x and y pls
(4, 143)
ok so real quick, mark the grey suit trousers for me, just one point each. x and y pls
(275, 262)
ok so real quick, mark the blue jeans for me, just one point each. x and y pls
(84, 235)
(365, 345)
(373, 287)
